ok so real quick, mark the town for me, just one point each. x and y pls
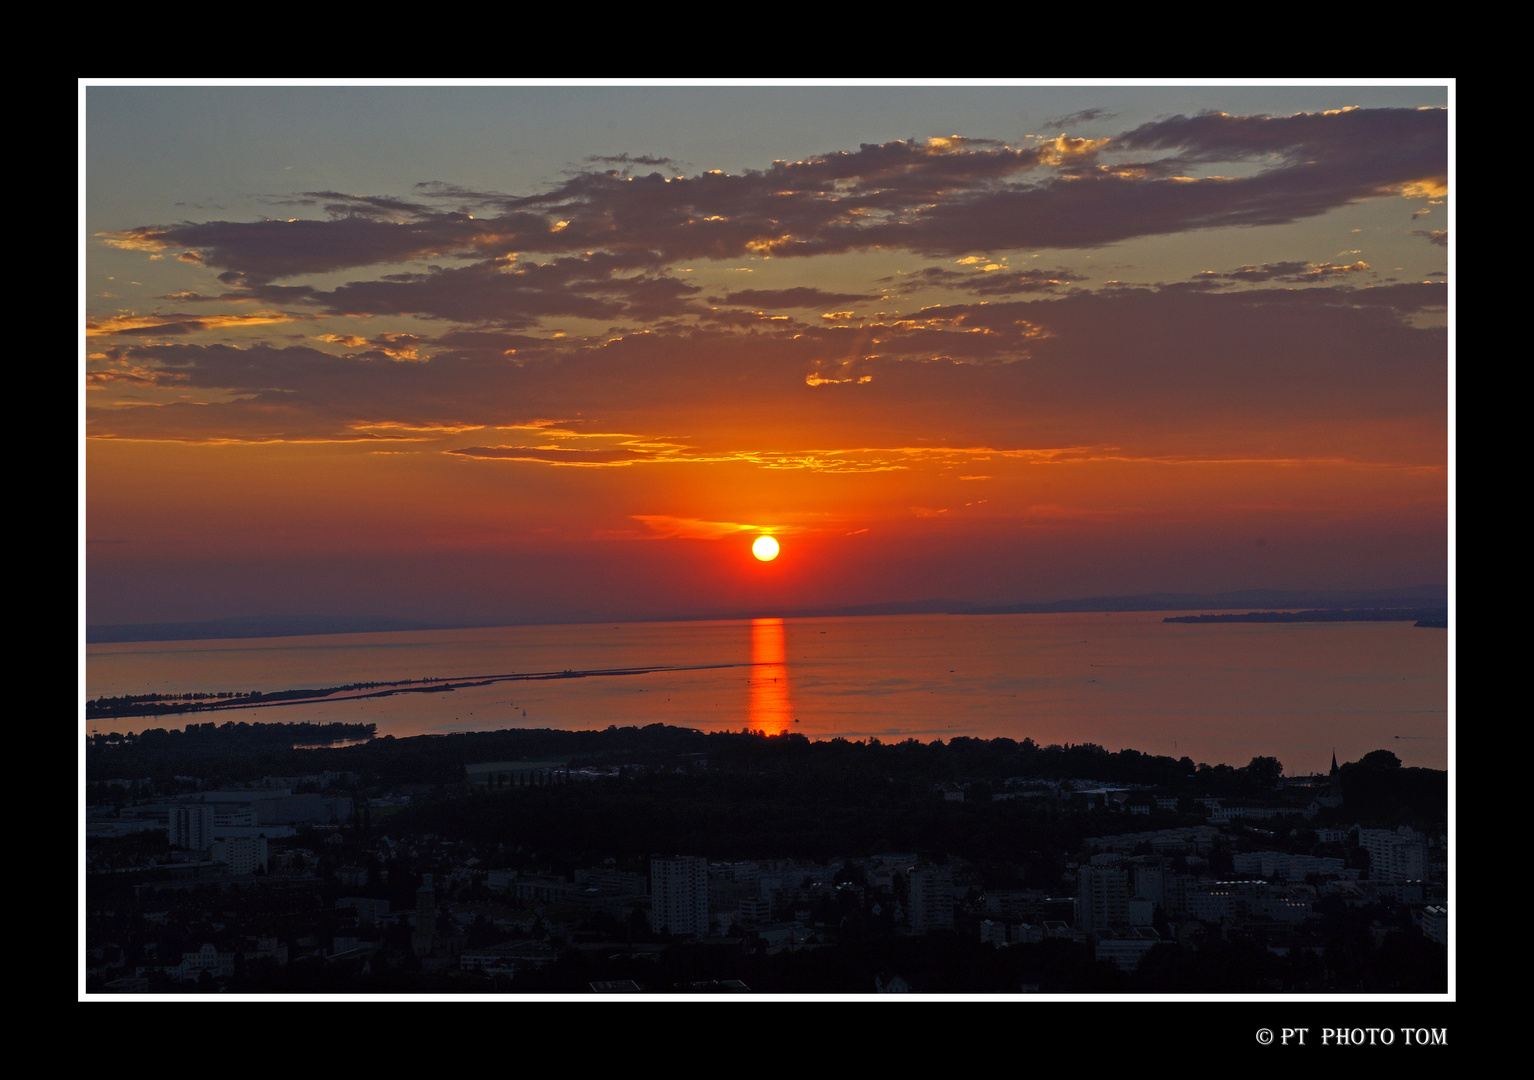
(267, 859)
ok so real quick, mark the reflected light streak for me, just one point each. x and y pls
(770, 708)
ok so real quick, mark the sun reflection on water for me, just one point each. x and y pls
(771, 709)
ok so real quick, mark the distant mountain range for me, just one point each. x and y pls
(264, 626)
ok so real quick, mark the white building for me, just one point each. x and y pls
(679, 895)
(1399, 855)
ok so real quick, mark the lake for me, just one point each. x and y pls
(1223, 692)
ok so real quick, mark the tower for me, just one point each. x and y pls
(679, 895)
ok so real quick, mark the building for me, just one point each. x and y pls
(755, 909)
(1435, 924)
(1214, 901)
(369, 910)
(1125, 947)
(423, 939)
(191, 827)
(931, 899)
(252, 807)
(679, 895)
(243, 854)
(1102, 897)
(1398, 855)
(208, 959)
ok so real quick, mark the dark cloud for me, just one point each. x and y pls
(940, 197)
(553, 456)
(1434, 236)
(258, 252)
(1085, 116)
(630, 159)
(1000, 282)
(268, 294)
(340, 204)
(801, 297)
(738, 317)
(467, 198)
(1080, 368)
(1299, 273)
(1380, 147)
(186, 326)
(515, 295)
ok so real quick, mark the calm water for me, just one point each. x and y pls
(1216, 693)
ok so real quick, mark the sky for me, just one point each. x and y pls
(548, 353)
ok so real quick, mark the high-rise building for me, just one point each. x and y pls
(679, 895)
(1394, 856)
(931, 899)
(423, 938)
(191, 826)
(1102, 898)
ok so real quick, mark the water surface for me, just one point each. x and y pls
(1223, 692)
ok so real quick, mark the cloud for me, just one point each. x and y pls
(947, 196)
(1384, 147)
(1084, 116)
(1000, 281)
(553, 455)
(167, 324)
(1299, 273)
(950, 386)
(1439, 237)
(1063, 149)
(666, 527)
(516, 294)
(397, 346)
(630, 159)
(802, 296)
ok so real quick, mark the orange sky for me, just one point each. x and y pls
(1080, 351)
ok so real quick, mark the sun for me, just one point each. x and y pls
(765, 548)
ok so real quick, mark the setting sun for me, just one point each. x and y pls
(765, 548)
